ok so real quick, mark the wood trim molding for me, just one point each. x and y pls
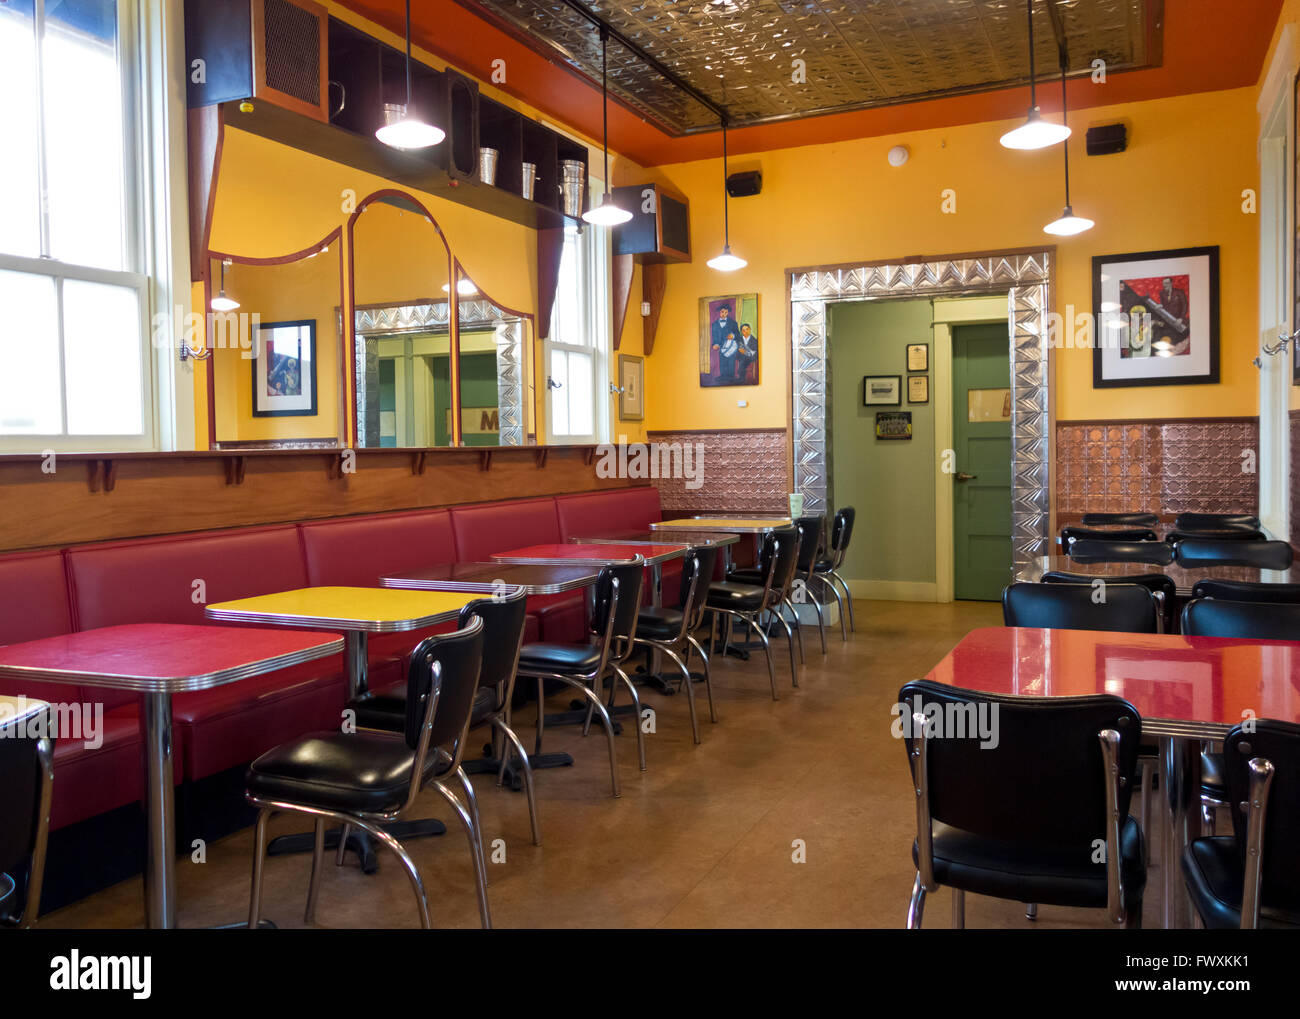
(654, 281)
(205, 137)
(1120, 422)
(622, 269)
(716, 431)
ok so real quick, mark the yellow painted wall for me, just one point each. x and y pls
(1178, 185)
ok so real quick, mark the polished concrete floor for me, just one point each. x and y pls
(707, 836)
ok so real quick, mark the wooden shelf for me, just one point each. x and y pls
(367, 153)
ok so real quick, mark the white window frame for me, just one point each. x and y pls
(594, 248)
(150, 43)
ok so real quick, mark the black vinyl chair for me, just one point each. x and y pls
(1123, 607)
(503, 622)
(807, 533)
(366, 778)
(1262, 555)
(1242, 590)
(1018, 818)
(583, 666)
(670, 629)
(748, 603)
(826, 568)
(1163, 587)
(1174, 536)
(1210, 617)
(1250, 879)
(1074, 533)
(26, 785)
(1119, 519)
(1096, 550)
(1213, 617)
(1216, 522)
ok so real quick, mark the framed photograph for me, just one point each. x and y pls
(631, 380)
(918, 357)
(882, 390)
(284, 369)
(1156, 318)
(894, 424)
(729, 340)
(918, 389)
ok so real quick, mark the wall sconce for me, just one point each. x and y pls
(1273, 349)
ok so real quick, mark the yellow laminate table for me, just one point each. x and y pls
(732, 525)
(357, 611)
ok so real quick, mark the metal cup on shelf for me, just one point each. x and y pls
(487, 165)
(573, 185)
(528, 180)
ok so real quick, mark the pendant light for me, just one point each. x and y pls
(726, 262)
(221, 302)
(1035, 132)
(1068, 224)
(606, 213)
(400, 129)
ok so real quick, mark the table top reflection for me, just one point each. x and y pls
(492, 577)
(559, 554)
(1195, 687)
(645, 537)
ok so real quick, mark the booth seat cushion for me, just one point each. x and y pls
(234, 723)
(93, 780)
(590, 514)
(561, 618)
(155, 580)
(488, 527)
(33, 597)
(356, 551)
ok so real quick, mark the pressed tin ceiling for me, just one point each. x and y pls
(856, 54)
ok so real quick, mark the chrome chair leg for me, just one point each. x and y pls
(821, 622)
(475, 848)
(636, 704)
(1148, 773)
(1031, 910)
(341, 853)
(605, 721)
(413, 874)
(259, 859)
(512, 740)
(839, 603)
(916, 907)
(789, 636)
(771, 664)
(798, 630)
(958, 909)
(708, 680)
(690, 691)
(471, 801)
(848, 596)
(317, 865)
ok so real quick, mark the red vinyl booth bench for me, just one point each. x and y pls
(170, 579)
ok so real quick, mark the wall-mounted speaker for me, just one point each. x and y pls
(742, 185)
(1107, 139)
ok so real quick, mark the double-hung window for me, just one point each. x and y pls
(75, 357)
(576, 357)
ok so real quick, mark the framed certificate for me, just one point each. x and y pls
(918, 357)
(918, 389)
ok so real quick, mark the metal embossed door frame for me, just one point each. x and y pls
(1027, 277)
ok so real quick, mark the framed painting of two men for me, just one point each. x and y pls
(729, 340)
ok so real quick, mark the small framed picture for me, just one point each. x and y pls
(1156, 316)
(918, 357)
(918, 389)
(284, 369)
(894, 424)
(882, 390)
(631, 381)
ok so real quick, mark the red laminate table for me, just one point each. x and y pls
(1186, 689)
(158, 660)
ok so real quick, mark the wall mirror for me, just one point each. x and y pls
(275, 343)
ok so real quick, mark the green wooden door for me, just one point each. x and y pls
(981, 473)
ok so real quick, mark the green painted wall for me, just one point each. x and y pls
(889, 481)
